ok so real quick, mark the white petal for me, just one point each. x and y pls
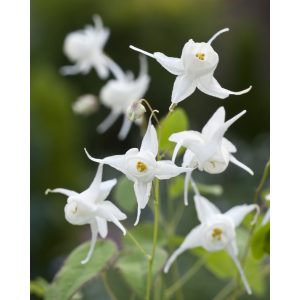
(102, 227)
(107, 209)
(266, 218)
(100, 66)
(105, 189)
(239, 212)
(117, 162)
(210, 86)
(97, 179)
(114, 68)
(125, 128)
(108, 122)
(186, 187)
(189, 159)
(167, 169)
(231, 251)
(94, 230)
(183, 87)
(192, 240)
(150, 142)
(70, 70)
(171, 64)
(205, 209)
(213, 124)
(241, 165)
(217, 34)
(66, 192)
(142, 192)
(228, 145)
(141, 51)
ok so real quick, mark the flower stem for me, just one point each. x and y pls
(185, 278)
(155, 232)
(151, 109)
(139, 246)
(262, 182)
(112, 296)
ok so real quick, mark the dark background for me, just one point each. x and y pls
(58, 137)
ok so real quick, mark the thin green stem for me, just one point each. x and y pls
(262, 182)
(154, 244)
(225, 291)
(185, 278)
(151, 109)
(107, 287)
(139, 246)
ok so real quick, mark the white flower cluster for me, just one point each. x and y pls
(207, 151)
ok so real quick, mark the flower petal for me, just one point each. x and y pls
(183, 87)
(102, 227)
(125, 128)
(186, 187)
(142, 192)
(167, 169)
(66, 192)
(171, 64)
(213, 124)
(217, 34)
(94, 230)
(210, 86)
(205, 209)
(239, 212)
(150, 141)
(266, 218)
(228, 145)
(192, 240)
(105, 189)
(241, 165)
(108, 122)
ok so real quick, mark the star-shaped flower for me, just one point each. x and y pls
(91, 207)
(141, 167)
(195, 69)
(216, 232)
(120, 94)
(208, 151)
(85, 49)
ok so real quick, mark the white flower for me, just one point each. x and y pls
(216, 231)
(266, 218)
(85, 105)
(136, 110)
(195, 69)
(85, 49)
(209, 151)
(141, 167)
(119, 94)
(91, 207)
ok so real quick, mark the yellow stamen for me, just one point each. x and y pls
(217, 234)
(141, 167)
(200, 55)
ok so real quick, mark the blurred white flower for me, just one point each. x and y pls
(85, 105)
(141, 167)
(85, 49)
(208, 151)
(195, 69)
(120, 94)
(136, 110)
(91, 207)
(216, 231)
(266, 218)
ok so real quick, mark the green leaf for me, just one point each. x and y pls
(133, 266)
(73, 274)
(175, 122)
(38, 287)
(124, 194)
(260, 244)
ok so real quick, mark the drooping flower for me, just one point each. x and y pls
(216, 232)
(141, 167)
(209, 150)
(195, 69)
(119, 94)
(136, 110)
(266, 218)
(85, 105)
(91, 207)
(85, 49)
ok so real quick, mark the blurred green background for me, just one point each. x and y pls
(58, 136)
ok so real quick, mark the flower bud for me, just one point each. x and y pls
(136, 110)
(85, 105)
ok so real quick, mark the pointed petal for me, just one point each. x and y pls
(213, 124)
(70, 70)
(171, 64)
(114, 68)
(108, 122)
(143, 66)
(189, 159)
(142, 192)
(117, 162)
(210, 86)
(231, 251)
(125, 128)
(97, 179)
(217, 34)
(105, 189)
(192, 240)
(205, 209)
(228, 145)
(150, 141)
(102, 227)
(186, 187)
(166, 169)
(241, 165)
(107, 209)
(239, 212)
(141, 51)
(94, 230)
(66, 192)
(183, 87)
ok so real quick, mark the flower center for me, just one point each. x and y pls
(200, 55)
(141, 167)
(217, 234)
